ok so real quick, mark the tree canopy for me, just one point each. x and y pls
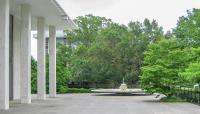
(188, 27)
(103, 51)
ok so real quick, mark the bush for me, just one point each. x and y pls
(62, 89)
(172, 99)
(74, 90)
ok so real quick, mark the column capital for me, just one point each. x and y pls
(25, 6)
(41, 19)
(52, 29)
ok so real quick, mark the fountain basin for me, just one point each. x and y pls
(119, 91)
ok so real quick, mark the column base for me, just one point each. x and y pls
(52, 96)
(41, 97)
(25, 101)
(4, 107)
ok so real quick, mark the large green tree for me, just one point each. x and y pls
(162, 63)
(80, 40)
(143, 34)
(109, 57)
(103, 51)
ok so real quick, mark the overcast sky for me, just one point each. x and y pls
(166, 12)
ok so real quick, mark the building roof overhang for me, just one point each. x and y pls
(49, 9)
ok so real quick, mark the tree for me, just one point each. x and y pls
(169, 35)
(104, 51)
(63, 72)
(80, 40)
(162, 63)
(142, 35)
(88, 28)
(191, 74)
(187, 30)
(152, 30)
(108, 54)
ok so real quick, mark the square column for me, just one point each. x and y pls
(25, 54)
(41, 75)
(4, 54)
(52, 61)
(16, 57)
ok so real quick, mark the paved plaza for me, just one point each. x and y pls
(101, 104)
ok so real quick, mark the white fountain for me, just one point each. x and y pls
(123, 86)
(123, 89)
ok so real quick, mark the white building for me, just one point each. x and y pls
(17, 19)
(60, 38)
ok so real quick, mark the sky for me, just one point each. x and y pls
(165, 12)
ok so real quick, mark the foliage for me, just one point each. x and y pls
(172, 99)
(33, 75)
(162, 63)
(175, 62)
(107, 56)
(152, 30)
(187, 30)
(79, 41)
(192, 73)
(104, 51)
(88, 28)
(63, 74)
(74, 90)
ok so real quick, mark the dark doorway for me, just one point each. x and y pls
(11, 58)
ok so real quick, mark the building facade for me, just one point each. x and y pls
(17, 19)
(60, 38)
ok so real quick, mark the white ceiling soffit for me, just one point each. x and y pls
(49, 9)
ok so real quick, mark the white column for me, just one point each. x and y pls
(4, 54)
(25, 54)
(41, 75)
(16, 57)
(52, 61)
